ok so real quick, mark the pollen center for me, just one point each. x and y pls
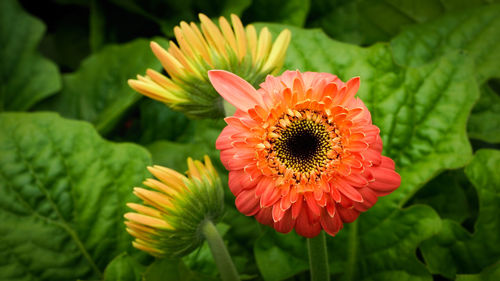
(303, 146)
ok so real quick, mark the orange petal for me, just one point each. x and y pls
(286, 224)
(331, 225)
(234, 89)
(247, 203)
(270, 196)
(278, 213)
(307, 228)
(311, 203)
(348, 190)
(348, 214)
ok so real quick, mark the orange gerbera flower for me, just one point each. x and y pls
(302, 151)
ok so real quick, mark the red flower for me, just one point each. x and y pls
(302, 151)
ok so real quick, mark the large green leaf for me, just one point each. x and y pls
(98, 91)
(63, 191)
(25, 76)
(366, 21)
(474, 31)
(455, 250)
(484, 122)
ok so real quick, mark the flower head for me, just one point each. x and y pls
(302, 151)
(235, 48)
(168, 222)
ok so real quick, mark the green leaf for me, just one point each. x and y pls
(366, 22)
(280, 256)
(173, 155)
(474, 31)
(491, 273)
(235, 7)
(484, 122)
(381, 245)
(123, 268)
(172, 270)
(447, 195)
(166, 270)
(98, 91)
(63, 191)
(25, 76)
(293, 12)
(151, 121)
(421, 111)
(197, 140)
(455, 250)
(158, 122)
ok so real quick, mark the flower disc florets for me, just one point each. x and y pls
(302, 151)
(169, 220)
(232, 47)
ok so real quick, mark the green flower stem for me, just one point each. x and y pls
(219, 252)
(352, 245)
(318, 258)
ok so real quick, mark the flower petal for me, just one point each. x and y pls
(247, 203)
(277, 213)
(305, 227)
(271, 195)
(369, 199)
(331, 225)
(386, 179)
(235, 90)
(286, 224)
(264, 216)
(297, 207)
(239, 181)
(347, 214)
(348, 190)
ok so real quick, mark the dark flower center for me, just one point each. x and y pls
(303, 146)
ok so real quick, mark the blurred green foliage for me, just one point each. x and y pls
(429, 75)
